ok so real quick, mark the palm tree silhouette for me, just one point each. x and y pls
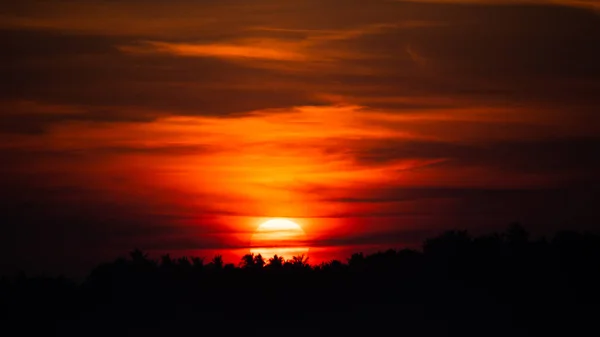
(247, 261)
(356, 261)
(197, 263)
(217, 262)
(299, 262)
(276, 262)
(259, 262)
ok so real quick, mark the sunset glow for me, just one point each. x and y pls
(300, 167)
(183, 126)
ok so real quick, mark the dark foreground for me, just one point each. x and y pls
(498, 285)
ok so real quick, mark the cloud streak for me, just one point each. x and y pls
(216, 50)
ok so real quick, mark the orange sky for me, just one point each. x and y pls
(180, 125)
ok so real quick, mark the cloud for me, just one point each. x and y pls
(544, 58)
(216, 50)
(310, 47)
(553, 155)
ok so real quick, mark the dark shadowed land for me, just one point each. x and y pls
(503, 284)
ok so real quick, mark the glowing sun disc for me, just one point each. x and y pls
(281, 237)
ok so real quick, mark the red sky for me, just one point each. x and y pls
(181, 125)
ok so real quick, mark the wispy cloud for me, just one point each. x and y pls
(260, 50)
(309, 46)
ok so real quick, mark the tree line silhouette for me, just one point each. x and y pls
(497, 284)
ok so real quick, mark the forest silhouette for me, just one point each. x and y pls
(500, 284)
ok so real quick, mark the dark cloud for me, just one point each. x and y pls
(567, 155)
(532, 54)
(535, 54)
(88, 71)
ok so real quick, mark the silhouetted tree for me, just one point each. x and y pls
(449, 244)
(184, 264)
(252, 262)
(197, 263)
(138, 257)
(276, 262)
(166, 261)
(247, 261)
(501, 280)
(216, 263)
(259, 262)
(356, 261)
(299, 262)
(332, 266)
(516, 235)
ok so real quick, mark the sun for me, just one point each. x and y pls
(281, 237)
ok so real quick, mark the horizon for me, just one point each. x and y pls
(314, 257)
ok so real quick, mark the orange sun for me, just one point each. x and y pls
(279, 237)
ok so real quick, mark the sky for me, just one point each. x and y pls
(180, 126)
